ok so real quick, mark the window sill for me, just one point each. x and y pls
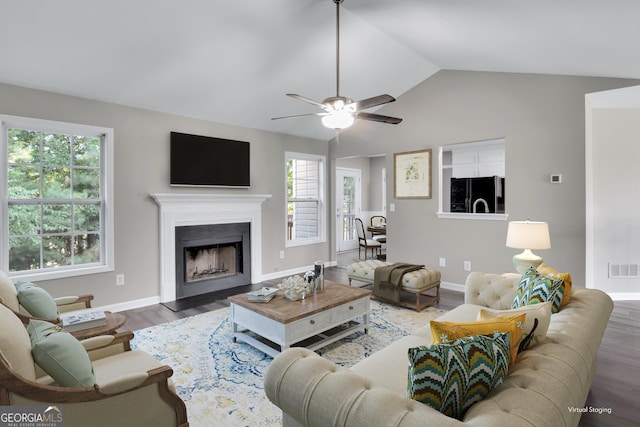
(60, 274)
(476, 216)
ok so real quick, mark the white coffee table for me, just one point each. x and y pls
(318, 320)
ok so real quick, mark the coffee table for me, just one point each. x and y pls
(318, 320)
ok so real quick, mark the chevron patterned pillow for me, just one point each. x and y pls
(452, 377)
(535, 288)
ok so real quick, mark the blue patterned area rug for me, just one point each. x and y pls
(221, 382)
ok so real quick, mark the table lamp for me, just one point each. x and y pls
(527, 235)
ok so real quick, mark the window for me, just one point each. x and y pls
(472, 179)
(305, 198)
(56, 214)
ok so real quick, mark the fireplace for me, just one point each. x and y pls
(179, 210)
(212, 257)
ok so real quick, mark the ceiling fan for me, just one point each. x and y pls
(340, 112)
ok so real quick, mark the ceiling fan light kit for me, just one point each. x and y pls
(338, 120)
(340, 112)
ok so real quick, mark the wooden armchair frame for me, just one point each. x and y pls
(33, 392)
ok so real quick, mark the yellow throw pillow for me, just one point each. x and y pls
(448, 332)
(551, 272)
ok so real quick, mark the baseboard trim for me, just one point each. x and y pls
(624, 296)
(452, 286)
(130, 305)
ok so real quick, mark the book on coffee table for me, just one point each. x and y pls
(265, 294)
(84, 319)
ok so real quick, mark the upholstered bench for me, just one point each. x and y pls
(416, 282)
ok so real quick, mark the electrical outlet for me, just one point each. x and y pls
(119, 279)
(467, 266)
(443, 262)
(281, 254)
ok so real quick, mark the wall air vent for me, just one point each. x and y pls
(623, 271)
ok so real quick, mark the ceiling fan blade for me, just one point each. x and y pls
(305, 99)
(375, 101)
(298, 115)
(377, 118)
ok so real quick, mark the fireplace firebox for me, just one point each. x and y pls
(212, 257)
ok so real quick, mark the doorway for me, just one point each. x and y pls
(348, 201)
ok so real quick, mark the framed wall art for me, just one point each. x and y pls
(412, 174)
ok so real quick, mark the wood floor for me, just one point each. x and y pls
(615, 388)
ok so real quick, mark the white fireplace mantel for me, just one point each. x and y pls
(178, 210)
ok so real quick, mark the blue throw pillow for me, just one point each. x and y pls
(536, 288)
(452, 377)
(60, 355)
(36, 301)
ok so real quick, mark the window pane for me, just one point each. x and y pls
(24, 220)
(24, 182)
(304, 220)
(87, 218)
(24, 253)
(56, 218)
(56, 150)
(305, 179)
(86, 151)
(56, 251)
(87, 249)
(86, 183)
(56, 183)
(23, 146)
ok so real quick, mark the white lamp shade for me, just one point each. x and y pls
(528, 235)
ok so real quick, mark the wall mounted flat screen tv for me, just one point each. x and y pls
(207, 161)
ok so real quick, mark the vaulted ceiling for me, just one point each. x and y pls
(234, 61)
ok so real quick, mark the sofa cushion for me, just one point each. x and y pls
(60, 355)
(452, 377)
(541, 312)
(555, 274)
(447, 332)
(36, 301)
(535, 288)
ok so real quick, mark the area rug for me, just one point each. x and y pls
(221, 382)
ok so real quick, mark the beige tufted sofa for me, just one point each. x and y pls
(542, 385)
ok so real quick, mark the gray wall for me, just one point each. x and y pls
(543, 120)
(142, 167)
(615, 228)
(375, 182)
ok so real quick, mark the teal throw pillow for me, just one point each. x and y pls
(452, 377)
(60, 355)
(36, 301)
(535, 288)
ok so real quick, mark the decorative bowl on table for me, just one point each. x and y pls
(294, 288)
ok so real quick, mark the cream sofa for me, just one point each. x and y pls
(546, 380)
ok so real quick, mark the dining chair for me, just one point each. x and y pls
(365, 243)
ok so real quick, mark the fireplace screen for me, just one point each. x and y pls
(211, 262)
